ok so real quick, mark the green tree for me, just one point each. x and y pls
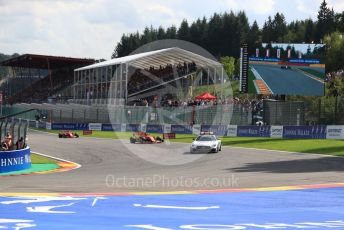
(340, 22)
(184, 31)
(309, 31)
(334, 52)
(326, 21)
(161, 33)
(267, 31)
(214, 37)
(228, 65)
(254, 37)
(279, 28)
(171, 32)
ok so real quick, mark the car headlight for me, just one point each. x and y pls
(213, 145)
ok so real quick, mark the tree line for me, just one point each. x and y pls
(222, 34)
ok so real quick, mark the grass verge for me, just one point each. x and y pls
(38, 159)
(251, 79)
(314, 73)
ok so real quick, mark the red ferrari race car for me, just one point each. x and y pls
(68, 134)
(144, 138)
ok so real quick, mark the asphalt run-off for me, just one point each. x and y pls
(320, 208)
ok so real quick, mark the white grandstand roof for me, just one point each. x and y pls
(156, 58)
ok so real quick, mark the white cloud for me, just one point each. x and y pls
(261, 7)
(91, 28)
(338, 5)
(308, 7)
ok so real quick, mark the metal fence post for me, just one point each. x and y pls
(72, 115)
(335, 109)
(319, 111)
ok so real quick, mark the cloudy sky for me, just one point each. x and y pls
(91, 28)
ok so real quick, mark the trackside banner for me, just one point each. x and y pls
(133, 127)
(181, 129)
(111, 127)
(41, 125)
(266, 59)
(306, 61)
(276, 132)
(254, 131)
(232, 130)
(335, 132)
(95, 126)
(218, 130)
(196, 129)
(305, 132)
(154, 128)
(16, 160)
(167, 128)
(48, 125)
(69, 126)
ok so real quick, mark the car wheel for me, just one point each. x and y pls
(220, 148)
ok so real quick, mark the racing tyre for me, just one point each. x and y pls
(60, 135)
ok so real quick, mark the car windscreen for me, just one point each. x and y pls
(205, 138)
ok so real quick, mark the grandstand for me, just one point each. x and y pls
(152, 88)
(48, 76)
(155, 77)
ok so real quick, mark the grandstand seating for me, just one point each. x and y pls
(40, 90)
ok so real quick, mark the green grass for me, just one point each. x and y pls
(314, 72)
(251, 79)
(322, 146)
(38, 159)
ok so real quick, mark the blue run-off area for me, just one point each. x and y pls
(298, 209)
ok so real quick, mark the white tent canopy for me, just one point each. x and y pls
(156, 58)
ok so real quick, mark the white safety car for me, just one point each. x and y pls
(206, 142)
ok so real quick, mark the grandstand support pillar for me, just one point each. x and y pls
(319, 111)
(50, 78)
(335, 109)
(74, 85)
(126, 83)
(202, 77)
(72, 115)
(116, 85)
(121, 82)
(214, 78)
(208, 79)
(222, 83)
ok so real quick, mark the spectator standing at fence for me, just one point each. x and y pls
(20, 144)
(8, 142)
